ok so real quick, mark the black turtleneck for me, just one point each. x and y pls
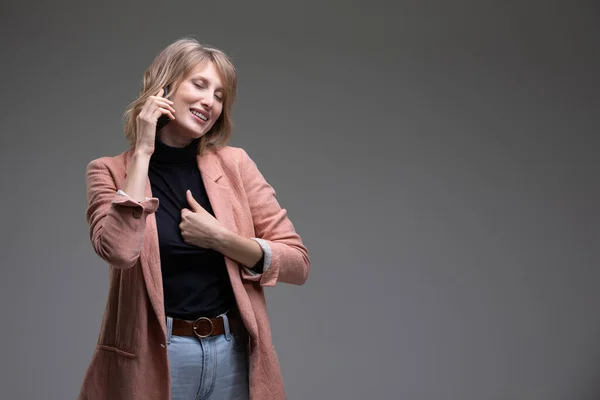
(195, 279)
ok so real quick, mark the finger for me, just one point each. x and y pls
(159, 97)
(161, 104)
(160, 111)
(151, 107)
(192, 202)
(165, 104)
(185, 237)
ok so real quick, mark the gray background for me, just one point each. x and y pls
(439, 158)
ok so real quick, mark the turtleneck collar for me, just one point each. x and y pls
(167, 155)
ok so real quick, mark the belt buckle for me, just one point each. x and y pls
(212, 327)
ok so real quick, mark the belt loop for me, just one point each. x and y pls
(169, 329)
(226, 326)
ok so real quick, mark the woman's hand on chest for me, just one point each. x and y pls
(198, 227)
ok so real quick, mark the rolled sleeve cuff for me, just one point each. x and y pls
(268, 255)
(122, 193)
(148, 206)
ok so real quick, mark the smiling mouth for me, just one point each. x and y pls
(199, 115)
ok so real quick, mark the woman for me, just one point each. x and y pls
(186, 316)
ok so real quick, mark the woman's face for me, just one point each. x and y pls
(198, 103)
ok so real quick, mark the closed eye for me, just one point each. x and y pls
(202, 85)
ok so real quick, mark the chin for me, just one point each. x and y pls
(194, 134)
(198, 135)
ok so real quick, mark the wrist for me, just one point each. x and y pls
(141, 155)
(222, 239)
(245, 251)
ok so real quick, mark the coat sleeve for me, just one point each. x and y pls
(117, 222)
(286, 257)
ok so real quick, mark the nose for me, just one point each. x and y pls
(207, 101)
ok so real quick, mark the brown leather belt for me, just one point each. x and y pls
(204, 327)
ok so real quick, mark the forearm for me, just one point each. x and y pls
(137, 173)
(117, 223)
(243, 250)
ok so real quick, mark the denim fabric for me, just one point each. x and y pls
(212, 368)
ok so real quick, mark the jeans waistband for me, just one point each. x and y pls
(224, 316)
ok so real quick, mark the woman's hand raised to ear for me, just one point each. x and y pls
(153, 109)
(137, 171)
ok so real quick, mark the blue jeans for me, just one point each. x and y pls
(212, 368)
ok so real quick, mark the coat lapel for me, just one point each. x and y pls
(220, 195)
(217, 189)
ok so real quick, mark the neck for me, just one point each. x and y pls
(172, 139)
(166, 153)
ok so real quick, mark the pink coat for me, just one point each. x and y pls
(130, 360)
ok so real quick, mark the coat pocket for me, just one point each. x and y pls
(116, 350)
(121, 322)
(107, 377)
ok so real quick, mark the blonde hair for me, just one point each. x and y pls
(170, 67)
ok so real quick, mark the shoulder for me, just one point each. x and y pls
(236, 164)
(114, 163)
(231, 154)
(232, 158)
